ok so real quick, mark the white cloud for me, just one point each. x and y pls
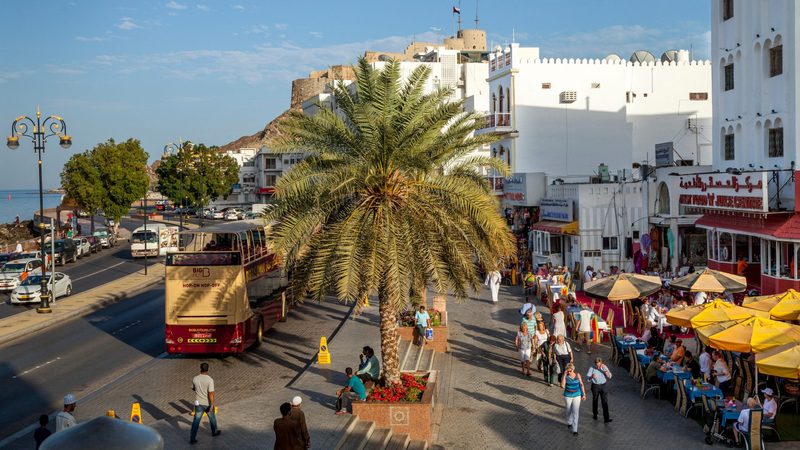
(281, 26)
(89, 38)
(315, 34)
(175, 5)
(8, 76)
(258, 29)
(127, 24)
(263, 63)
(238, 7)
(60, 70)
(203, 8)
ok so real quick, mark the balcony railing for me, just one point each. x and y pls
(496, 120)
(496, 183)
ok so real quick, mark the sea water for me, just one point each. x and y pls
(24, 202)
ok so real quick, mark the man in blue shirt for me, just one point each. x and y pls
(354, 390)
(422, 320)
(598, 375)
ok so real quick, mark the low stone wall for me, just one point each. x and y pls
(413, 419)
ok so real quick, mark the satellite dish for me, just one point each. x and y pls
(669, 56)
(384, 58)
(612, 57)
(642, 56)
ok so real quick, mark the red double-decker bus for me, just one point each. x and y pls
(224, 288)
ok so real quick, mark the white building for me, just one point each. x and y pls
(566, 116)
(748, 200)
(269, 168)
(244, 192)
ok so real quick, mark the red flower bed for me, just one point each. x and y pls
(409, 389)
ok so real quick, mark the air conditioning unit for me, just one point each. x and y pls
(568, 97)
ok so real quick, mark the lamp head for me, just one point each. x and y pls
(65, 141)
(12, 142)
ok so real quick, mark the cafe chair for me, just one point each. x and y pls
(646, 387)
(614, 352)
(771, 425)
(680, 398)
(753, 440)
(633, 358)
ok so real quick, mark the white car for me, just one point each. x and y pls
(13, 272)
(232, 215)
(84, 247)
(31, 289)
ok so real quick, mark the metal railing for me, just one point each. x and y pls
(496, 120)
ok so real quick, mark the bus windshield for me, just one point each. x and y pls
(140, 237)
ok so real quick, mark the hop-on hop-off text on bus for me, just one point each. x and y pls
(224, 288)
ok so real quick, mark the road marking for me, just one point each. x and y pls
(126, 327)
(100, 271)
(35, 368)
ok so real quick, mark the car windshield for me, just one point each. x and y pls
(13, 268)
(101, 233)
(141, 236)
(29, 255)
(4, 258)
(33, 280)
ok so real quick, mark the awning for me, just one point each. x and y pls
(553, 227)
(682, 220)
(776, 226)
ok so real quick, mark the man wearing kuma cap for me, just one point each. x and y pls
(65, 419)
(297, 415)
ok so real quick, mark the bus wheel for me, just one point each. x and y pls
(259, 333)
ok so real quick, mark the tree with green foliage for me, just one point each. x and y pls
(201, 173)
(390, 198)
(80, 179)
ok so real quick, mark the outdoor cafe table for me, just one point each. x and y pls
(672, 370)
(624, 345)
(729, 414)
(696, 393)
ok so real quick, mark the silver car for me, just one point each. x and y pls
(14, 272)
(84, 247)
(30, 291)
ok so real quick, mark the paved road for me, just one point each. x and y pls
(90, 271)
(123, 344)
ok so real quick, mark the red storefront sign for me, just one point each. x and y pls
(746, 193)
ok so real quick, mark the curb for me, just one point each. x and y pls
(106, 300)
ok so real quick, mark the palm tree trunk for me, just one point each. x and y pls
(389, 340)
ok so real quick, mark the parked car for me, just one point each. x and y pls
(84, 248)
(82, 213)
(65, 251)
(30, 290)
(14, 272)
(6, 257)
(94, 243)
(107, 238)
(251, 215)
(34, 254)
(232, 214)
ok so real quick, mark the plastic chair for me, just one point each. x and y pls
(632, 356)
(646, 387)
(753, 439)
(681, 394)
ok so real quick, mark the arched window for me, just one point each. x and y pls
(663, 199)
(494, 102)
(508, 100)
(502, 97)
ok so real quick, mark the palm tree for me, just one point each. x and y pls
(388, 198)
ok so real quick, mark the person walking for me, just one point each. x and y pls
(298, 416)
(559, 326)
(493, 280)
(524, 344)
(42, 432)
(598, 375)
(203, 387)
(549, 360)
(287, 431)
(574, 392)
(585, 329)
(65, 419)
(422, 320)
(540, 335)
(563, 353)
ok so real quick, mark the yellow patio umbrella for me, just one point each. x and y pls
(721, 311)
(784, 306)
(708, 280)
(755, 334)
(624, 286)
(781, 361)
(682, 317)
(704, 333)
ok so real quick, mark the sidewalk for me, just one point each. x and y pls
(248, 423)
(25, 323)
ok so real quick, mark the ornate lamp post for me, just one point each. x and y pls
(38, 131)
(177, 150)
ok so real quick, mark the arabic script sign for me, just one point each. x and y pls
(725, 192)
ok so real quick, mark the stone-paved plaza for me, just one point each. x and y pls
(489, 404)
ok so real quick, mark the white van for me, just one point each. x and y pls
(158, 239)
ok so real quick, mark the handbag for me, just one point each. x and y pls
(429, 334)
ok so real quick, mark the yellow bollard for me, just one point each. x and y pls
(514, 277)
(136, 413)
(365, 303)
(324, 356)
(111, 413)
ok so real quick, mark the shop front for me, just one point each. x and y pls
(555, 239)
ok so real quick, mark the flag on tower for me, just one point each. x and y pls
(456, 10)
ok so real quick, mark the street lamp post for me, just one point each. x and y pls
(55, 126)
(177, 149)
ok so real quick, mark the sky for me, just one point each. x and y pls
(211, 71)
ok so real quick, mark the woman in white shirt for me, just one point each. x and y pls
(722, 372)
(705, 364)
(559, 327)
(524, 344)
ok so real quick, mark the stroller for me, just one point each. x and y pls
(713, 423)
